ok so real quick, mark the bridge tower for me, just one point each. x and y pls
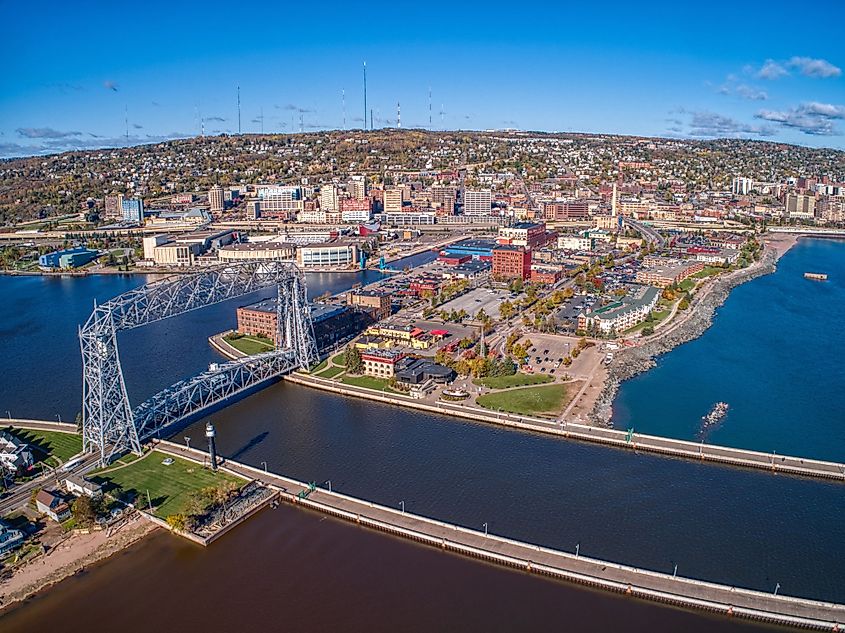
(110, 425)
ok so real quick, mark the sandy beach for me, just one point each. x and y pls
(72, 555)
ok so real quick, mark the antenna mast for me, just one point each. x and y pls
(429, 108)
(343, 101)
(398, 115)
(365, 100)
(126, 120)
(239, 109)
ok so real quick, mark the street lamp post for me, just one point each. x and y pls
(264, 464)
(675, 573)
(577, 549)
(777, 586)
(402, 503)
(329, 484)
(59, 415)
(485, 528)
(187, 442)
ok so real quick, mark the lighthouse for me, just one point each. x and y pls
(212, 447)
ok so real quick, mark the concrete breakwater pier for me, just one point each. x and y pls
(568, 566)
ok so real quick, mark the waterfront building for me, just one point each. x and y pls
(475, 248)
(332, 323)
(67, 258)
(664, 271)
(478, 201)
(52, 504)
(133, 211)
(510, 262)
(328, 255)
(15, 455)
(381, 363)
(377, 303)
(215, 200)
(10, 538)
(620, 316)
(415, 371)
(256, 251)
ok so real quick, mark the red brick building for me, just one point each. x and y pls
(510, 262)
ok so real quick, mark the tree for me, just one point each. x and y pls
(648, 330)
(683, 305)
(506, 309)
(84, 511)
(352, 358)
(178, 522)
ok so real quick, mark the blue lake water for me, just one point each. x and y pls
(774, 353)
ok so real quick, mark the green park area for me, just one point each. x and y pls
(369, 382)
(320, 366)
(654, 318)
(516, 380)
(708, 271)
(249, 345)
(331, 372)
(339, 359)
(51, 447)
(542, 400)
(171, 487)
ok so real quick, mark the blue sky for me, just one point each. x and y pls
(74, 71)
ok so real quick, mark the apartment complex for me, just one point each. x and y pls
(478, 201)
(619, 316)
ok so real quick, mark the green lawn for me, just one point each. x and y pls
(320, 367)
(708, 271)
(547, 399)
(370, 382)
(339, 359)
(249, 345)
(331, 372)
(517, 380)
(170, 487)
(658, 315)
(687, 284)
(47, 444)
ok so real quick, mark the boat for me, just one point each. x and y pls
(816, 276)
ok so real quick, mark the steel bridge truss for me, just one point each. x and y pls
(110, 425)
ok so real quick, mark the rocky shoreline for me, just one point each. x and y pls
(630, 362)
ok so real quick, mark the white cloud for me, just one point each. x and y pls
(812, 118)
(820, 68)
(771, 70)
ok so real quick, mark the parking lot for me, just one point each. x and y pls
(548, 351)
(475, 300)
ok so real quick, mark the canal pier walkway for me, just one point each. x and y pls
(572, 567)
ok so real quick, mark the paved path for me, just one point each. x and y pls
(641, 583)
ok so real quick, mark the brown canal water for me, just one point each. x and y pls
(293, 570)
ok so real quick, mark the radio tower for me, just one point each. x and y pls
(365, 96)
(126, 120)
(398, 115)
(239, 109)
(429, 108)
(343, 102)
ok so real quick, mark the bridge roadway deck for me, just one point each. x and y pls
(641, 583)
(785, 464)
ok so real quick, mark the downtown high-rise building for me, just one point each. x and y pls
(133, 210)
(393, 199)
(357, 187)
(215, 200)
(329, 201)
(478, 201)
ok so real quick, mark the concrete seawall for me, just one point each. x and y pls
(783, 464)
(608, 576)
